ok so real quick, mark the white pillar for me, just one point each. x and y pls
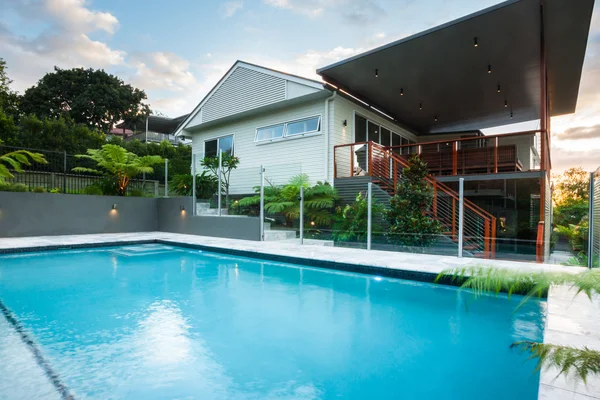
(461, 210)
(369, 213)
(166, 177)
(262, 203)
(301, 214)
(193, 184)
(219, 178)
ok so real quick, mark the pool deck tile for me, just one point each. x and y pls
(571, 319)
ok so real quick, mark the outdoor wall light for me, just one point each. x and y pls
(511, 114)
(420, 106)
(401, 92)
(505, 103)
(435, 118)
(489, 68)
(498, 88)
(376, 73)
(182, 208)
(475, 41)
(345, 123)
(114, 206)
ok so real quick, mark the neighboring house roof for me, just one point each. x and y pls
(120, 132)
(464, 71)
(246, 88)
(160, 124)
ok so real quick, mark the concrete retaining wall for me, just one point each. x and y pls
(48, 214)
(172, 219)
(40, 214)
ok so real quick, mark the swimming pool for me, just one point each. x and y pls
(155, 322)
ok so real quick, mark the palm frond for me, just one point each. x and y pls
(569, 360)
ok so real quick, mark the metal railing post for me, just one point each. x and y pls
(219, 178)
(262, 203)
(166, 177)
(591, 224)
(194, 205)
(461, 212)
(301, 214)
(65, 172)
(369, 213)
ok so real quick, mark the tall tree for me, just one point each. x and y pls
(87, 96)
(9, 99)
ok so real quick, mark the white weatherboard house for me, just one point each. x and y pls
(428, 95)
(286, 123)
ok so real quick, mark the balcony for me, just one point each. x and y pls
(153, 137)
(514, 152)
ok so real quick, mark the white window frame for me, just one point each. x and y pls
(218, 138)
(287, 136)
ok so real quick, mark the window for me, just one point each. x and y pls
(288, 129)
(304, 126)
(224, 143)
(270, 132)
(373, 132)
(360, 129)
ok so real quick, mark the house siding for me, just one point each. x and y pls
(243, 90)
(281, 159)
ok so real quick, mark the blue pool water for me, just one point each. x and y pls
(157, 322)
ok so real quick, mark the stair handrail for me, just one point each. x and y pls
(488, 219)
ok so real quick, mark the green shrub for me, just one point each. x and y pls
(39, 189)
(13, 187)
(350, 221)
(94, 189)
(135, 193)
(56, 190)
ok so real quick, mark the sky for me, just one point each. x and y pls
(177, 50)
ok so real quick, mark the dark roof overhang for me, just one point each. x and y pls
(442, 69)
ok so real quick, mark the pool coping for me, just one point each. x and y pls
(571, 319)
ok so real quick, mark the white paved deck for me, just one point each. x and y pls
(572, 320)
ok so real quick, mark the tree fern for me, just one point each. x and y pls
(15, 160)
(580, 363)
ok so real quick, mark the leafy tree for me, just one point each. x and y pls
(8, 129)
(60, 134)
(91, 97)
(318, 200)
(118, 164)
(570, 196)
(408, 217)
(350, 221)
(569, 360)
(9, 100)
(228, 164)
(14, 161)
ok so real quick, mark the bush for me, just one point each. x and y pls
(206, 185)
(13, 187)
(39, 189)
(56, 190)
(408, 216)
(350, 221)
(94, 189)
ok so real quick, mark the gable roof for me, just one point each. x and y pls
(269, 76)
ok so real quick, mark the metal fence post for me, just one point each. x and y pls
(155, 188)
(461, 210)
(166, 177)
(262, 203)
(194, 205)
(369, 213)
(219, 170)
(591, 224)
(301, 214)
(65, 171)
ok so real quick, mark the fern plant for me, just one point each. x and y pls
(318, 200)
(117, 163)
(15, 160)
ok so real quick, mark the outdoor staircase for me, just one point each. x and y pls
(385, 171)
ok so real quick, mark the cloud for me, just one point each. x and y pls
(579, 133)
(352, 11)
(73, 15)
(564, 159)
(160, 70)
(231, 7)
